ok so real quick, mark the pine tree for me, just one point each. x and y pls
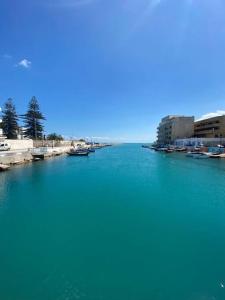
(9, 120)
(55, 137)
(32, 120)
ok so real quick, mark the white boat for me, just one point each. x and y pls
(199, 155)
(181, 149)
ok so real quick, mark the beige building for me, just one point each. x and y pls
(1, 130)
(172, 128)
(210, 128)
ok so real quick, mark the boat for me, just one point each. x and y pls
(145, 146)
(165, 149)
(215, 155)
(199, 155)
(197, 149)
(169, 150)
(181, 149)
(91, 149)
(79, 152)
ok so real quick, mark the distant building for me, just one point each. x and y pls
(1, 130)
(172, 128)
(210, 128)
(21, 133)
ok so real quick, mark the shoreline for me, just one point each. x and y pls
(10, 160)
(19, 157)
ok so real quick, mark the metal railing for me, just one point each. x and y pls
(41, 150)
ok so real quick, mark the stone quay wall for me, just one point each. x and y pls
(16, 158)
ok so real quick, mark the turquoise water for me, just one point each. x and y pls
(123, 224)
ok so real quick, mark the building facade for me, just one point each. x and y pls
(199, 142)
(210, 128)
(172, 128)
(1, 130)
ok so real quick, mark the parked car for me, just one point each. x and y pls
(4, 146)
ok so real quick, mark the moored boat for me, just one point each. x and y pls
(215, 155)
(169, 150)
(78, 152)
(181, 149)
(199, 155)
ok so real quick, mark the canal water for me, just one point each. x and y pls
(126, 223)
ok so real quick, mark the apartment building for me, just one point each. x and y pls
(210, 128)
(1, 130)
(174, 127)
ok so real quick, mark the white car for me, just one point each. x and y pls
(4, 147)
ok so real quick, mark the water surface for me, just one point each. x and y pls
(123, 224)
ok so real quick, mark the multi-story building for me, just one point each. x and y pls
(210, 128)
(1, 130)
(174, 127)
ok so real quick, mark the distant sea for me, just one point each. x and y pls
(125, 223)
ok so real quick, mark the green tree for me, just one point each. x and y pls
(32, 120)
(55, 137)
(9, 120)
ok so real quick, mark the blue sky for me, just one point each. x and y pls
(113, 68)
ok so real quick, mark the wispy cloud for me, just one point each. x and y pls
(212, 114)
(24, 63)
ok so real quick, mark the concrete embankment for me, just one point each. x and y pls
(15, 157)
(24, 151)
(21, 157)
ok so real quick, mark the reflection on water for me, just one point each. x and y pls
(3, 187)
